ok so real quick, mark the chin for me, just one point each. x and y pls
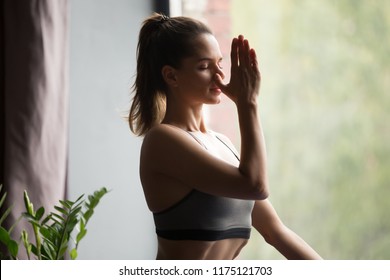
(214, 101)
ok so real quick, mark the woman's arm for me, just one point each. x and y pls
(267, 222)
(243, 89)
(245, 71)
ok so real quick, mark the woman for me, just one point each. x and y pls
(205, 197)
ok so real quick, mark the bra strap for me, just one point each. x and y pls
(223, 142)
(196, 139)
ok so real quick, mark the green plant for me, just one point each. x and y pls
(5, 235)
(54, 233)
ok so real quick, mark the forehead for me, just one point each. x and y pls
(206, 46)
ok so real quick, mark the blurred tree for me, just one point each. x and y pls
(324, 104)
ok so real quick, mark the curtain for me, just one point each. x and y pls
(34, 104)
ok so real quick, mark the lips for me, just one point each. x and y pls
(215, 88)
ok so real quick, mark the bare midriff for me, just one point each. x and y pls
(226, 249)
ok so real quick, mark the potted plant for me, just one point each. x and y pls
(57, 235)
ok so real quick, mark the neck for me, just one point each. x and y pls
(189, 118)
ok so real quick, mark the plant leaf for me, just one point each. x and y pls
(13, 248)
(73, 254)
(31, 219)
(82, 231)
(6, 213)
(81, 235)
(26, 243)
(14, 225)
(49, 242)
(61, 218)
(66, 203)
(79, 198)
(28, 216)
(45, 232)
(12, 245)
(93, 202)
(39, 214)
(88, 214)
(3, 196)
(48, 251)
(4, 236)
(62, 252)
(61, 210)
(29, 206)
(34, 249)
(70, 220)
(45, 220)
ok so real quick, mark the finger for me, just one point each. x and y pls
(233, 53)
(224, 87)
(253, 61)
(219, 82)
(253, 58)
(241, 51)
(247, 59)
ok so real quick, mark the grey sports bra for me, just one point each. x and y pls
(201, 216)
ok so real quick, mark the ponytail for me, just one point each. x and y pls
(162, 41)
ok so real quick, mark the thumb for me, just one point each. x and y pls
(219, 82)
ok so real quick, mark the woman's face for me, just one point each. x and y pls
(196, 75)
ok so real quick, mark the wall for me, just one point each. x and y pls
(103, 152)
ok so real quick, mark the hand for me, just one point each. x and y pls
(245, 76)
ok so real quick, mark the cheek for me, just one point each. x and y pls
(196, 79)
(204, 77)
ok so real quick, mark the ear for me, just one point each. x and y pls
(169, 75)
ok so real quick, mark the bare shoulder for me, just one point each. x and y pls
(165, 142)
(162, 135)
(162, 129)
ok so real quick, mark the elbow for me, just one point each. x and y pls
(276, 234)
(260, 190)
(269, 239)
(257, 184)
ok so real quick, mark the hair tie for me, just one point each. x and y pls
(164, 18)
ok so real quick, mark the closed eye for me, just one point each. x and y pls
(206, 62)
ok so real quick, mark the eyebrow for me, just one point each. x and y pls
(209, 59)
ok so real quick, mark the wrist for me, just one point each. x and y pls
(247, 106)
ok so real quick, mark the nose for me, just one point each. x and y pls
(220, 72)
